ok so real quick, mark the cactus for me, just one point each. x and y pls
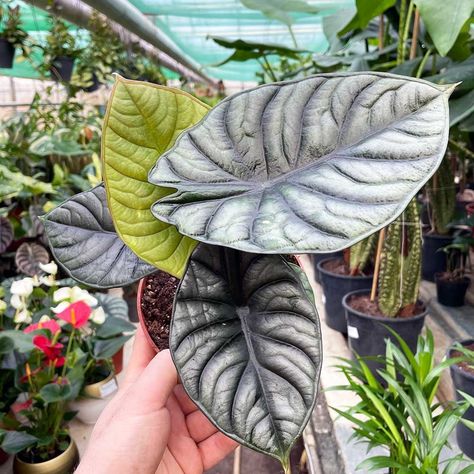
(400, 266)
(361, 254)
(441, 198)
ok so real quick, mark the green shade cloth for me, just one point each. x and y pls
(189, 23)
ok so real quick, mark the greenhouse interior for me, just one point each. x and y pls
(237, 236)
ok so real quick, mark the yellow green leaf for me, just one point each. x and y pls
(143, 121)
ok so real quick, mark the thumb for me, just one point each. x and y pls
(155, 384)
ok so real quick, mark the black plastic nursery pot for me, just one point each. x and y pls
(62, 67)
(7, 52)
(94, 86)
(464, 382)
(451, 292)
(318, 257)
(367, 334)
(433, 259)
(335, 286)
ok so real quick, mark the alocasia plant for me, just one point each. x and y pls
(312, 165)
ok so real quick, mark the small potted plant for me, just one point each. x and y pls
(60, 51)
(462, 374)
(402, 415)
(451, 285)
(47, 379)
(341, 275)
(11, 35)
(392, 305)
(218, 197)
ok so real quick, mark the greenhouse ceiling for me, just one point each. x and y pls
(189, 24)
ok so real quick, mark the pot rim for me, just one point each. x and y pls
(71, 450)
(395, 320)
(141, 317)
(464, 279)
(320, 268)
(455, 367)
(438, 236)
(93, 389)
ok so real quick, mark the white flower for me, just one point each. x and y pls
(60, 307)
(17, 302)
(61, 294)
(50, 267)
(44, 319)
(98, 315)
(74, 294)
(48, 280)
(22, 317)
(22, 287)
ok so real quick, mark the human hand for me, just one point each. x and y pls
(152, 426)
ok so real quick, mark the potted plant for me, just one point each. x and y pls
(47, 379)
(60, 51)
(402, 414)
(451, 285)
(317, 257)
(462, 374)
(265, 173)
(441, 192)
(339, 276)
(11, 35)
(392, 305)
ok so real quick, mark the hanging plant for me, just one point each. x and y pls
(11, 35)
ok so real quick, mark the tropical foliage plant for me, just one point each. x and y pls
(304, 166)
(402, 414)
(10, 28)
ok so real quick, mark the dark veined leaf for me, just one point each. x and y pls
(83, 240)
(312, 165)
(245, 339)
(113, 306)
(29, 256)
(6, 233)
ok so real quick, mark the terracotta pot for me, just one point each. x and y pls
(117, 360)
(65, 463)
(141, 318)
(95, 399)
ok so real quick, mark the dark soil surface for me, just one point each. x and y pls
(465, 366)
(157, 307)
(363, 304)
(338, 266)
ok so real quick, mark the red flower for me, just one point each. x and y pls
(45, 345)
(19, 406)
(59, 362)
(51, 325)
(76, 314)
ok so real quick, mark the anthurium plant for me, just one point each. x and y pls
(216, 196)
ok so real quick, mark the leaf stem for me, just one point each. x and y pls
(406, 29)
(381, 31)
(401, 24)
(293, 38)
(419, 72)
(414, 39)
(378, 258)
(468, 153)
(269, 68)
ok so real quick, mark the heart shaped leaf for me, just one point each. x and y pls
(142, 122)
(6, 233)
(83, 240)
(29, 256)
(312, 165)
(246, 341)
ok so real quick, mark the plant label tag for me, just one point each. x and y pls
(352, 332)
(108, 388)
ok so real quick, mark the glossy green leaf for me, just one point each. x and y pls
(459, 72)
(55, 392)
(106, 348)
(83, 240)
(366, 10)
(246, 340)
(6, 345)
(461, 108)
(142, 122)
(312, 165)
(114, 326)
(15, 441)
(444, 20)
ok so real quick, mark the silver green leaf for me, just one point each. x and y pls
(83, 240)
(246, 341)
(312, 165)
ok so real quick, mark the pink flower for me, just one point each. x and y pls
(20, 406)
(51, 325)
(77, 314)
